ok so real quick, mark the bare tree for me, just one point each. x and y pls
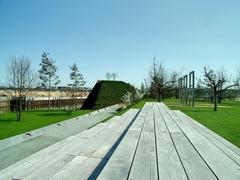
(237, 79)
(108, 75)
(20, 78)
(217, 82)
(160, 82)
(138, 95)
(47, 75)
(114, 76)
(128, 98)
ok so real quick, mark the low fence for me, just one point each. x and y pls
(10, 104)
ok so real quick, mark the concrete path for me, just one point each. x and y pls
(52, 134)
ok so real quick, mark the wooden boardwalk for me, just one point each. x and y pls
(155, 143)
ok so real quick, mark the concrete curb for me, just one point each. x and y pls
(11, 141)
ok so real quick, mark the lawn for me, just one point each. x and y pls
(225, 122)
(32, 120)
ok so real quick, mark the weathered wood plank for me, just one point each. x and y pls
(149, 122)
(68, 146)
(171, 125)
(159, 122)
(119, 164)
(169, 165)
(220, 163)
(145, 162)
(48, 169)
(213, 134)
(80, 168)
(228, 151)
(194, 165)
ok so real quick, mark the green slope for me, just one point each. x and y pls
(106, 93)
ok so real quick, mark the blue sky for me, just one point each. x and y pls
(122, 36)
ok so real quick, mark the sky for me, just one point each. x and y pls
(122, 36)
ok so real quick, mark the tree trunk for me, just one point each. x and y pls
(215, 100)
(49, 103)
(19, 109)
(220, 97)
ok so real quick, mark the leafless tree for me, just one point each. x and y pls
(128, 98)
(160, 81)
(217, 82)
(20, 78)
(114, 76)
(108, 75)
(237, 79)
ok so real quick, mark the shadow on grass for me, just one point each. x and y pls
(53, 114)
(8, 120)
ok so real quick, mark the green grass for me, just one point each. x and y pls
(225, 122)
(32, 120)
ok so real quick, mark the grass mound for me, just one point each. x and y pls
(106, 93)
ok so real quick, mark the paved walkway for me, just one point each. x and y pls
(155, 143)
(52, 135)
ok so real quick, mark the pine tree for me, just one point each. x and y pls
(77, 82)
(48, 75)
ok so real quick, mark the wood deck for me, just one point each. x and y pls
(155, 143)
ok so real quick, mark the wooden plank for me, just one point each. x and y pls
(139, 121)
(159, 122)
(220, 163)
(119, 164)
(228, 151)
(32, 163)
(101, 146)
(213, 134)
(49, 169)
(71, 170)
(194, 165)
(149, 122)
(113, 137)
(145, 162)
(80, 168)
(171, 125)
(93, 145)
(169, 165)
(68, 146)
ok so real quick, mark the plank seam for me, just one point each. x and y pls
(194, 147)
(174, 144)
(156, 143)
(137, 146)
(211, 136)
(97, 171)
(215, 143)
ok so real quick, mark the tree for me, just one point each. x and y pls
(199, 91)
(217, 82)
(143, 89)
(128, 98)
(114, 76)
(20, 78)
(108, 75)
(138, 95)
(47, 75)
(160, 82)
(77, 83)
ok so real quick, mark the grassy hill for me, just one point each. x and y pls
(106, 93)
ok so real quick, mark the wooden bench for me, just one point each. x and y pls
(166, 144)
(83, 151)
